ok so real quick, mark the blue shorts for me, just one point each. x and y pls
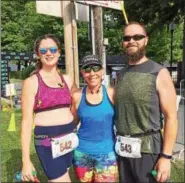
(53, 168)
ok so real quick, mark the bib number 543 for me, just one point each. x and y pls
(126, 147)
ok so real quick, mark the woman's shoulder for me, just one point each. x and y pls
(31, 79)
(31, 83)
(111, 93)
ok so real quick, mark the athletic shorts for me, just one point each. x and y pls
(53, 168)
(96, 168)
(132, 170)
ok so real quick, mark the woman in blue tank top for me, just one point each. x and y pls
(94, 158)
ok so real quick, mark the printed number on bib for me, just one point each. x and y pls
(128, 147)
(63, 145)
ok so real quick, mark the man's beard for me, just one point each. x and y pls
(134, 57)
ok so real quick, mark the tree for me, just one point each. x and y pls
(21, 25)
(113, 30)
(159, 44)
(158, 13)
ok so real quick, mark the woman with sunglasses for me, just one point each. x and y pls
(94, 158)
(47, 93)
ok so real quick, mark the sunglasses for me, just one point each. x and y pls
(136, 37)
(95, 68)
(43, 51)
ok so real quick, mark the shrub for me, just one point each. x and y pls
(27, 71)
(15, 74)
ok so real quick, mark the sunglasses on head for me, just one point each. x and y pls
(136, 37)
(95, 68)
(53, 50)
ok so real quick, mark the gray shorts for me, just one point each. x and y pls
(135, 170)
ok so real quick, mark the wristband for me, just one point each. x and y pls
(165, 156)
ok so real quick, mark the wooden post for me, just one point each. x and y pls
(75, 46)
(91, 27)
(11, 99)
(70, 40)
(98, 25)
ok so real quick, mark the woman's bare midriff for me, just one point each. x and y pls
(54, 117)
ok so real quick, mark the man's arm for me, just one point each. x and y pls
(167, 97)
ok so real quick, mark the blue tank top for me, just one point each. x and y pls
(96, 134)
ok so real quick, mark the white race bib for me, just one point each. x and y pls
(128, 147)
(63, 145)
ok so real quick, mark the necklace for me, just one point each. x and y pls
(95, 92)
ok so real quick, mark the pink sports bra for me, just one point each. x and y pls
(48, 98)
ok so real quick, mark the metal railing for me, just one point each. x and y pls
(182, 89)
(181, 119)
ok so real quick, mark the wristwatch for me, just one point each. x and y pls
(165, 156)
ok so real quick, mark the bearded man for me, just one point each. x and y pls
(145, 90)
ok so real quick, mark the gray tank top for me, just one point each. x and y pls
(137, 108)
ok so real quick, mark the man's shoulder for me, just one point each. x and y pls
(150, 67)
(156, 64)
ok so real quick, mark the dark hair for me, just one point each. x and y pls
(137, 23)
(36, 47)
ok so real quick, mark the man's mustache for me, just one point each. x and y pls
(130, 45)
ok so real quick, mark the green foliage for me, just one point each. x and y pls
(27, 71)
(157, 15)
(113, 23)
(15, 74)
(84, 44)
(159, 47)
(21, 25)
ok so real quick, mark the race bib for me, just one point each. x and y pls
(63, 145)
(128, 147)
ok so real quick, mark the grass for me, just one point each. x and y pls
(11, 150)
(177, 172)
(14, 80)
(11, 154)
